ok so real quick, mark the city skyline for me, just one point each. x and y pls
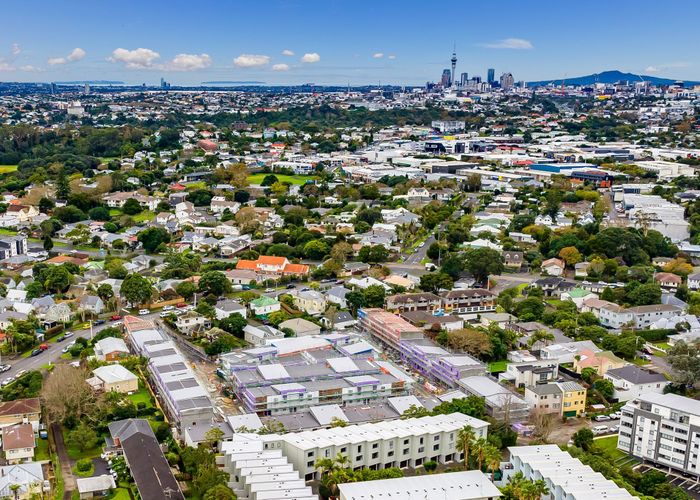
(294, 42)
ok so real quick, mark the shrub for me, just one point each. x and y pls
(84, 464)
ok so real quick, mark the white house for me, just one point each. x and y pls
(631, 382)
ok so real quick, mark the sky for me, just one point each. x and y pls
(402, 42)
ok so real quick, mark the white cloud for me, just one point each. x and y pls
(392, 57)
(30, 69)
(658, 68)
(16, 49)
(378, 55)
(251, 60)
(287, 52)
(189, 62)
(5, 66)
(75, 55)
(280, 67)
(510, 43)
(135, 59)
(310, 58)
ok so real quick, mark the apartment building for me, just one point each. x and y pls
(664, 429)
(463, 485)
(528, 374)
(398, 443)
(469, 301)
(405, 302)
(387, 327)
(181, 395)
(501, 403)
(11, 246)
(566, 477)
(564, 399)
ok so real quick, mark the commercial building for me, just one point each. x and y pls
(464, 485)
(566, 477)
(181, 395)
(664, 429)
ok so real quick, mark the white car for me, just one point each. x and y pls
(269, 290)
(7, 381)
(144, 312)
(601, 418)
(164, 314)
(68, 346)
(168, 308)
(68, 335)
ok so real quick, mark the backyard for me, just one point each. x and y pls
(291, 179)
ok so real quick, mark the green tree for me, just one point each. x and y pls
(57, 279)
(374, 296)
(466, 437)
(153, 237)
(316, 249)
(214, 283)
(136, 289)
(583, 439)
(132, 207)
(83, 437)
(482, 262)
(605, 388)
(186, 289)
(234, 324)
(62, 186)
(219, 492)
(434, 282)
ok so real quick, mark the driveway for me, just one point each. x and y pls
(65, 462)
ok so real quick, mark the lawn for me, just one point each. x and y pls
(291, 179)
(498, 366)
(142, 396)
(144, 216)
(7, 232)
(42, 450)
(120, 494)
(608, 444)
(6, 169)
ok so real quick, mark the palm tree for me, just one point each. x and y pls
(480, 447)
(465, 439)
(492, 456)
(540, 335)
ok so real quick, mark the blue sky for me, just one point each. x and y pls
(340, 42)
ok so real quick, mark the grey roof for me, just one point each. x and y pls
(636, 375)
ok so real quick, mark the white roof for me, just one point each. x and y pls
(274, 371)
(325, 414)
(110, 374)
(465, 485)
(403, 403)
(95, 484)
(250, 421)
(342, 365)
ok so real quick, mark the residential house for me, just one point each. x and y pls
(668, 281)
(219, 205)
(573, 399)
(21, 411)
(528, 374)
(18, 443)
(512, 259)
(341, 321)
(501, 403)
(274, 266)
(261, 335)
(23, 481)
(601, 361)
(226, 307)
(553, 267)
(631, 382)
(468, 301)
(544, 398)
(336, 295)
(264, 305)
(192, 322)
(309, 301)
(614, 316)
(95, 486)
(300, 327)
(432, 322)
(91, 304)
(115, 378)
(241, 276)
(645, 316)
(111, 349)
(581, 269)
(694, 281)
(578, 296)
(567, 352)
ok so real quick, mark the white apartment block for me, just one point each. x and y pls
(397, 443)
(664, 429)
(566, 477)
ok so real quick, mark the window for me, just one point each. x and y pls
(436, 438)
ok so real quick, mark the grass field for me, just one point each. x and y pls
(291, 179)
(142, 396)
(120, 494)
(608, 444)
(6, 169)
(7, 232)
(42, 450)
(144, 216)
(498, 366)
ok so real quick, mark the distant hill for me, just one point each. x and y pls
(228, 82)
(91, 82)
(613, 76)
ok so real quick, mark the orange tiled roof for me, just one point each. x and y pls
(270, 260)
(247, 264)
(296, 268)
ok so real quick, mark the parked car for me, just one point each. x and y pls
(614, 428)
(601, 418)
(291, 286)
(7, 381)
(60, 338)
(99, 322)
(144, 312)
(615, 415)
(180, 305)
(36, 352)
(600, 429)
(5, 368)
(168, 308)
(269, 290)
(68, 334)
(165, 314)
(116, 317)
(68, 346)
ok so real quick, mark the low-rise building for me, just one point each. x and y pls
(501, 403)
(18, 443)
(301, 327)
(115, 378)
(264, 305)
(21, 411)
(111, 349)
(631, 382)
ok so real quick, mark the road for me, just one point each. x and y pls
(505, 281)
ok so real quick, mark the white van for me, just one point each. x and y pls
(144, 312)
(600, 429)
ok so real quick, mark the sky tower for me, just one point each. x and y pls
(454, 66)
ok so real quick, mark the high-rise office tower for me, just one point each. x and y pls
(454, 67)
(463, 79)
(491, 76)
(507, 81)
(86, 89)
(446, 81)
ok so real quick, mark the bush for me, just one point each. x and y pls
(84, 464)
